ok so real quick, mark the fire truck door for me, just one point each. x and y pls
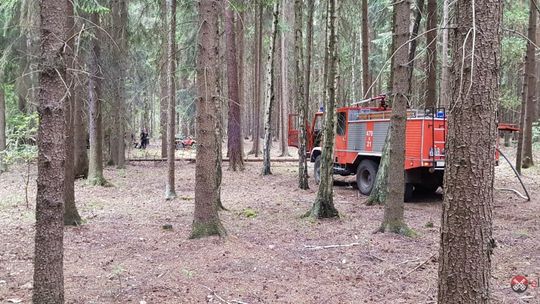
(341, 136)
(293, 130)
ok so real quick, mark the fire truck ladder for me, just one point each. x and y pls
(436, 113)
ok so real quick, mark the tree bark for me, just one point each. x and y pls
(365, 50)
(163, 81)
(3, 166)
(71, 214)
(258, 84)
(519, 150)
(466, 227)
(284, 64)
(234, 125)
(206, 220)
(95, 166)
(119, 16)
(414, 42)
(170, 192)
(49, 229)
(302, 84)
(393, 220)
(530, 70)
(80, 134)
(431, 54)
(444, 89)
(270, 96)
(323, 207)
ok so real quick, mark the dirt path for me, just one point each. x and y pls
(122, 255)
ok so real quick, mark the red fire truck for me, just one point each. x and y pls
(360, 138)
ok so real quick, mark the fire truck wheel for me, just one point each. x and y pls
(409, 189)
(317, 170)
(365, 176)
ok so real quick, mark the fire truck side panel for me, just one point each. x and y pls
(413, 143)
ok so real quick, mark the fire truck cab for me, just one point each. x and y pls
(360, 138)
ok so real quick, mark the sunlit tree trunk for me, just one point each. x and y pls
(170, 192)
(95, 166)
(393, 220)
(206, 220)
(270, 96)
(466, 243)
(323, 207)
(48, 280)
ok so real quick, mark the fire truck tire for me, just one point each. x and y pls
(365, 176)
(408, 195)
(317, 170)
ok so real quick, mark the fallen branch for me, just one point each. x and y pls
(513, 190)
(314, 247)
(418, 266)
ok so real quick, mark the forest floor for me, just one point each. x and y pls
(121, 254)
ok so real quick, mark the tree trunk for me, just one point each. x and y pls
(414, 42)
(444, 90)
(284, 64)
(301, 92)
(71, 215)
(119, 24)
(431, 55)
(258, 85)
(379, 193)
(530, 71)
(206, 218)
(519, 150)
(95, 166)
(80, 134)
(234, 125)
(163, 81)
(270, 96)
(466, 227)
(49, 229)
(365, 50)
(323, 207)
(170, 192)
(3, 166)
(393, 210)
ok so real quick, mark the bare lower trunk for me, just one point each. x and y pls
(519, 150)
(365, 50)
(444, 87)
(466, 228)
(431, 55)
(301, 92)
(3, 166)
(270, 96)
(206, 218)
(95, 166)
(284, 88)
(258, 85)
(393, 210)
(49, 228)
(323, 207)
(71, 215)
(170, 192)
(530, 71)
(379, 193)
(163, 81)
(234, 125)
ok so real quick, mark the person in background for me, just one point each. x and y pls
(144, 138)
